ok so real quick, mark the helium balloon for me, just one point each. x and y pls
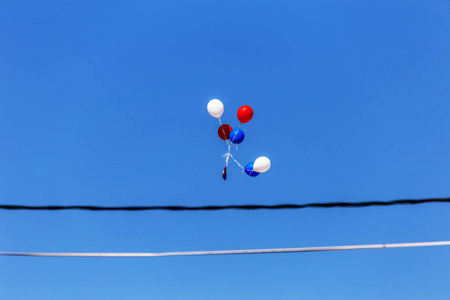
(245, 113)
(215, 108)
(224, 132)
(237, 136)
(261, 164)
(249, 170)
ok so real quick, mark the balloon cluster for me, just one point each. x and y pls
(236, 136)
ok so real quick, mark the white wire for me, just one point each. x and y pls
(226, 252)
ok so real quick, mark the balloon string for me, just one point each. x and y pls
(227, 156)
(237, 162)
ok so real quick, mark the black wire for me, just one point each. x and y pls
(223, 207)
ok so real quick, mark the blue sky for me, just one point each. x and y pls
(104, 103)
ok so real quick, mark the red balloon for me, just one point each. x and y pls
(224, 132)
(245, 113)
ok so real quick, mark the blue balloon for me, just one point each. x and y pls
(249, 170)
(237, 136)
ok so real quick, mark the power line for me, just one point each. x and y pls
(229, 252)
(224, 207)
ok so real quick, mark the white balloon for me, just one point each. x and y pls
(261, 164)
(215, 108)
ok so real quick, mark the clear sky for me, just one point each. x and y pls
(104, 103)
